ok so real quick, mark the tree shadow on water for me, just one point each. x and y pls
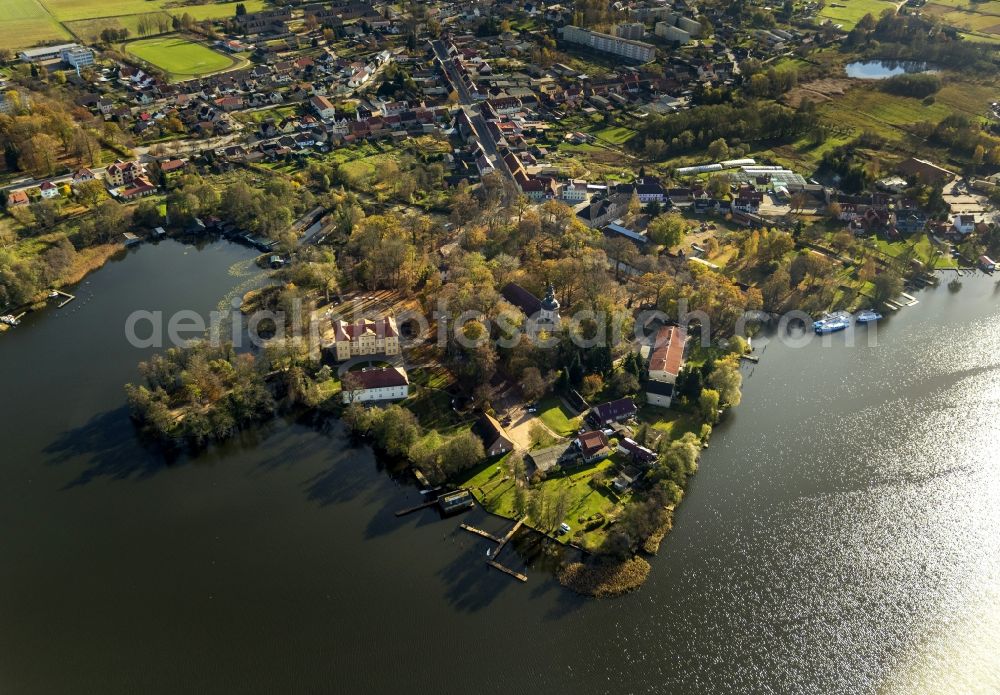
(109, 447)
(348, 477)
(471, 584)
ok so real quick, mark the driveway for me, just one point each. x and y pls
(394, 360)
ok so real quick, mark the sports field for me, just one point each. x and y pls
(179, 57)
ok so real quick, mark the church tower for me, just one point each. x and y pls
(550, 306)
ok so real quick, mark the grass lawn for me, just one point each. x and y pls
(330, 389)
(672, 422)
(865, 107)
(922, 247)
(180, 57)
(982, 17)
(68, 10)
(90, 29)
(219, 10)
(616, 135)
(557, 417)
(24, 23)
(889, 115)
(87, 18)
(433, 410)
(496, 493)
(982, 38)
(848, 12)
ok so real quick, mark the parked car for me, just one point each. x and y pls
(564, 528)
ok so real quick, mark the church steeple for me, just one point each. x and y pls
(550, 305)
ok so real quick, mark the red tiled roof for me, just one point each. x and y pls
(381, 377)
(142, 185)
(592, 442)
(382, 327)
(322, 103)
(668, 350)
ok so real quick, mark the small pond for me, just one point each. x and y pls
(883, 69)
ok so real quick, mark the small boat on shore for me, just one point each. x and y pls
(9, 320)
(867, 316)
(831, 323)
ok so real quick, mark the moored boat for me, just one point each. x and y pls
(868, 316)
(831, 323)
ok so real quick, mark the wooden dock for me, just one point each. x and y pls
(69, 298)
(410, 510)
(510, 534)
(750, 358)
(910, 299)
(507, 570)
(479, 532)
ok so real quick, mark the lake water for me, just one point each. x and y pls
(842, 535)
(883, 69)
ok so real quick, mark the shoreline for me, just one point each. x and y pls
(87, 261)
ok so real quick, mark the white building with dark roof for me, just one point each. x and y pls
(377, 384)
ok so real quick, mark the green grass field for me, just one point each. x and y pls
(557, 417)
(853, 10)
(24, 23)
(69, 10)
(982, 17)
(867, 108)
(497, 495)
(616, 135)
(89, 30)
(217, 10)
(180, 57)
(923, 249)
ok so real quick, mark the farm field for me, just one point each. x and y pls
(75, 10)
(26, 22)
(180, 57)
(70, 10)
(848, 12)
(88, 30)
(982, 17)
(216, 10)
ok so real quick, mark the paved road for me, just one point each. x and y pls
(468, 105)
(173, 148)
(391, 360)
